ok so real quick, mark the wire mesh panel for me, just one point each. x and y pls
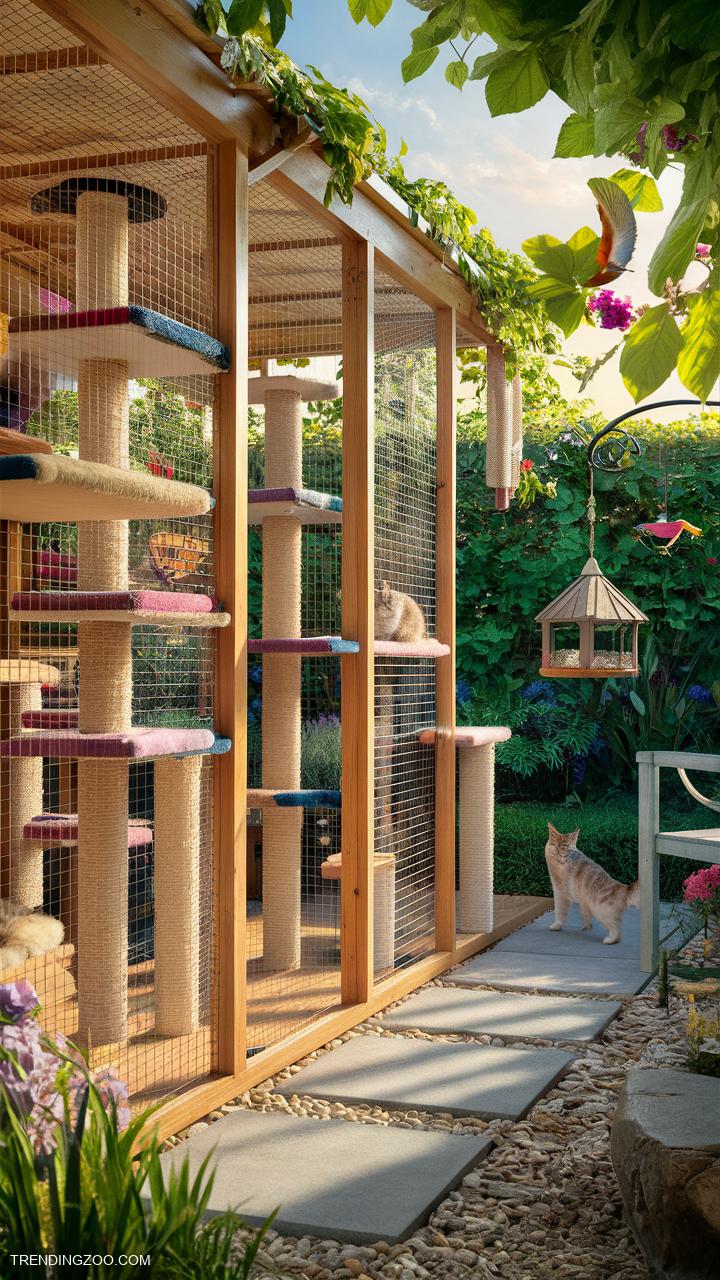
(405, 497)
(294, 733)
(107, 373)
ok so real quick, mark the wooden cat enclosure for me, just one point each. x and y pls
(186, 641)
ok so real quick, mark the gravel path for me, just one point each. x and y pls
(543, 1204)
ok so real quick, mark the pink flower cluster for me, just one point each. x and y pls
(703, 885)
(702, 251)
(614, 312)
(44, 1083)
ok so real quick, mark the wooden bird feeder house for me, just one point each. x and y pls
(590, 629)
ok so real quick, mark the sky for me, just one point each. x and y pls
(502, 168)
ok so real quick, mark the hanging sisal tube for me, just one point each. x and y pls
(26, 801)
(177, 895)
(498, 457)
(281, 705)
(517, 431)
(105, 651)
(477, 838)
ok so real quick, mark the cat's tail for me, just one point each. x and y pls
(633, 894)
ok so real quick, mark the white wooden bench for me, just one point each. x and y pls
(702, 845)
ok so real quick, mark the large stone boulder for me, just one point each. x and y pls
(665, 1144)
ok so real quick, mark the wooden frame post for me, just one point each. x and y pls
(358, 622)
(648, 860)
(445, 627)
(230, 546)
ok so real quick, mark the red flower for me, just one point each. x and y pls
(526, 465)
(712, 560)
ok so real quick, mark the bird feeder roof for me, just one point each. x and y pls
(593, 598)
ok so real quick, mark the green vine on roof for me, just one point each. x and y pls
(355, 147)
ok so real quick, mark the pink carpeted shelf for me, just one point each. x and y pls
(61, 829)
(421, 649)
(134, 744)
(466, 736)
(159, 608)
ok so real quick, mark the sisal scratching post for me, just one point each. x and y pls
(281, 708)
(102, 901)
(384, 915)
(26, 800)
(477, 833)
(517, 431)
(177, 895)
(105, 650)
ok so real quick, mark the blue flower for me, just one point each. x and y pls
(537, 687)
(255, 674)
(578, 765)
(698, 693)
(463, 691)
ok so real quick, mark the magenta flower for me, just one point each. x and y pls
(613, 312)
(702, 250)
(672, 140)
(702, 885)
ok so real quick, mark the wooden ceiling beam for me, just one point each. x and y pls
(151, 50)
(109, 160)
(23, 64)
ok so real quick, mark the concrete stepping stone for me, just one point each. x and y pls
(543, 971)
(461, 1079)
(570, 941)
(453, 1011)
(330, 1178)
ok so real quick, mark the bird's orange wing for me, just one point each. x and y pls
(619, 230)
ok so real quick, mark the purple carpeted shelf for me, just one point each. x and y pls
(421, 649)
(467, 736)
(171, 608)
(62, 829)
(308, 645)
(133, 744)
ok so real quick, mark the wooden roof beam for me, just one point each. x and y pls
(23, 64)
(150, 50)
(406, 254)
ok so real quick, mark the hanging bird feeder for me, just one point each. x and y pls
(590, 629)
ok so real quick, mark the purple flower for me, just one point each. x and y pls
(17, 1000)
(638, 157)
(702, 250)
(114, 1095)
(672, 140)
(698, 693)
(614, 312)
(537, 687)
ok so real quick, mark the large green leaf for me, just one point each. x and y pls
(373, 10)
(650, 351)
(417, 62)
(617, 124)
(640, 189)
(576, 137)
(677, 247)
(242, 15)
(564, 304)
(551, 256)
(584, 245)
(516, 83)
(695, 24)
(699, 362)
(579, 74)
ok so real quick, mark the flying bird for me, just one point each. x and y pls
(619, 231)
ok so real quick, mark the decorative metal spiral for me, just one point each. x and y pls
(613, 449)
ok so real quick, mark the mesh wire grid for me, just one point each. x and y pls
(405, 501)
(70, 118)
(294, 590)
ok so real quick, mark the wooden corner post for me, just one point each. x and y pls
(230, 546)
(445, 614)
(358, 719)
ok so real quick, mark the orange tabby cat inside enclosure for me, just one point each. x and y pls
(576, 878)
(397, 616)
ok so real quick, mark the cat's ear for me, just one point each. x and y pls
(553, 830)
(573, 837)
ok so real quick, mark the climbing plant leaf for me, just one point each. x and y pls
(699, 361)
(640, 189)
(516, 83)
(576, 137)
